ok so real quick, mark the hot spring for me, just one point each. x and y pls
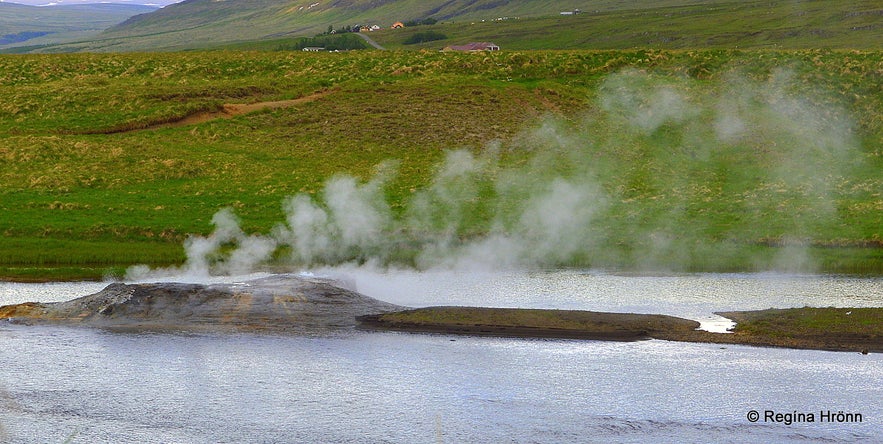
(83, 385)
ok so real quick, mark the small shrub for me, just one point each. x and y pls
(334, 42)
(426, 36)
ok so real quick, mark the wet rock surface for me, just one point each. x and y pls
(283, 303)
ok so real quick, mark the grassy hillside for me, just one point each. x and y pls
(22, 25)
(514, 24)
(685, 160)
(744, 24)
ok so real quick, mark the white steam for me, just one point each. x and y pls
(645, 102)
(636, 184)
(353, 221)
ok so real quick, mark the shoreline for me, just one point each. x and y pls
(830, 329)
(12, 273)
(280, 303)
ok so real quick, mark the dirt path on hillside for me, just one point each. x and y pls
(370, 41)
(230, 110)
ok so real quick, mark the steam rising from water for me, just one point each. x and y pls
(355, 220)
(645, 180)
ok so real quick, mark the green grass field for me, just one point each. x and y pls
(713, 160)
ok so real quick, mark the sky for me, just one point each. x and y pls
(79, 2)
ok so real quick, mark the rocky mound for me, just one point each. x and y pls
(284, 303)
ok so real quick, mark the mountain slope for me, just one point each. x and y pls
(200, 23)
(603, 24)
(32, 25)
(807, 24)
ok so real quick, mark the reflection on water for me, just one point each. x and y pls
(576, 289)
(692, 296)
(16, 293)
(91, 386)
(373, 387)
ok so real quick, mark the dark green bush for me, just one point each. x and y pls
(425, 36)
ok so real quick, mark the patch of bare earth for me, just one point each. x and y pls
(227, 111)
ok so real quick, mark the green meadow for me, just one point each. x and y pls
(699, 160)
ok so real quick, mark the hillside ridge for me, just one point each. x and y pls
(41, 25)
(513, 24)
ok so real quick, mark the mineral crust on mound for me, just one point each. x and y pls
(285, 303)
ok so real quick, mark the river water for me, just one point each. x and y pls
(91, 386)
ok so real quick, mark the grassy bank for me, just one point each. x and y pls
(535, 323)
(688, 160)
(838, 329)
(796, 327)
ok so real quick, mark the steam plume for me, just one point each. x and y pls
(643, 182)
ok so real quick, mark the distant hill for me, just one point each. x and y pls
(22, 25)
(201, 23)
(514, 24)
(746, 24)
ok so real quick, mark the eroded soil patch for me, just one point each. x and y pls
(230, 110)
(227, 111)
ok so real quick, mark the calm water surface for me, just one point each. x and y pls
(84, 385)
